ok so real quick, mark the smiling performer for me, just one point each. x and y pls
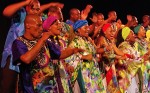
(86, 76)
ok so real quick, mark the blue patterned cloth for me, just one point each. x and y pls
(79, 24)
(16, 29)
(69, 22)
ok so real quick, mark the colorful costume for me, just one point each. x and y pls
(39, 75)
(86, 72)
(132, 63)
(111, 79)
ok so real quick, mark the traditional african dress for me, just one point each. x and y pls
(39, 75)
(86, 72)
(132, 63)
(142, 47)
(111, 79)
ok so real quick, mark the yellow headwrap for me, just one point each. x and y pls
(125, 32)
(148, 35)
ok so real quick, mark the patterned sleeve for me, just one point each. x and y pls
(74, 59)
(54, 50)
(18, 49)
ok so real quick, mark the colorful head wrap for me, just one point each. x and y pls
(136, 29)
(79, 24)
(48, 22)
(104, 28)
(125, 32)
(148, 34)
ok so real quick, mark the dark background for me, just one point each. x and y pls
(137, 8)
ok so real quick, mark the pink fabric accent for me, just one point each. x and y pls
(48, 22)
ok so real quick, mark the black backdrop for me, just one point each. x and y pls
(122, 7)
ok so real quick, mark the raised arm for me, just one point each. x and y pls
(117, 51)
(69, 51)
(46, 6)
(29, 56)
(85, 12)
(10, 10)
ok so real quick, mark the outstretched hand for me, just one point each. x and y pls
(85, 12)
(94, 18)
(88, 9)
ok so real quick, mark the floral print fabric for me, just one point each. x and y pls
(89, 68)
(39, 75)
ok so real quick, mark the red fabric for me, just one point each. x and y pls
(109, 75)
(104, 28)
(128, 55)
